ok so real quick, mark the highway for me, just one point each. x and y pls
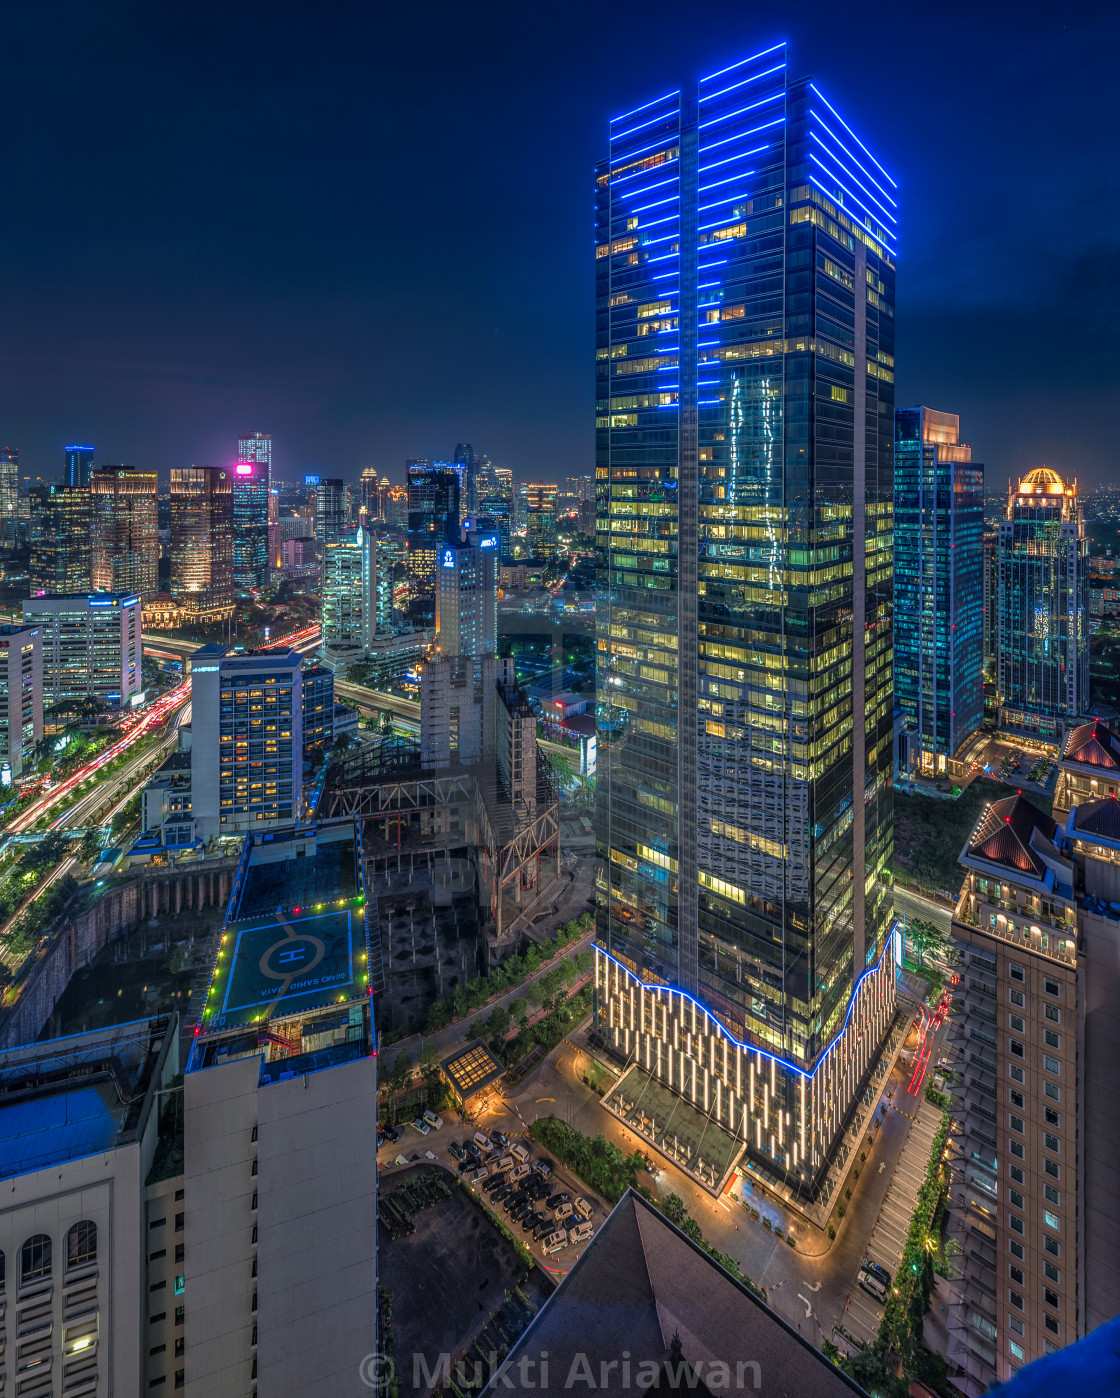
(913, 905)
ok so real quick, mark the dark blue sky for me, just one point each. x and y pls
(368, 228)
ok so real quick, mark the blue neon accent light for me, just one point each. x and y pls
(77, 446)
(855, 161)
(849, 130)
(754, 78)
(879, 212)
(740, 111)
(879, 237)
(742, 63)
(641, 126)
(676, 92)
(754, 1048)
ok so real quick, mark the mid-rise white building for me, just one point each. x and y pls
(91, 647)
(357, 597)
(467, 596)
(21, 697)
(246, 739)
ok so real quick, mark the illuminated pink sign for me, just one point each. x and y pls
(244, 468)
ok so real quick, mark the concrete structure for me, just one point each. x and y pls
(21, 698)
(60, 540)
(85, 1306)
(318, 708)
(1042, 641)
(166, 803)
(123, 508)
(280, 1127)
(91, 648)
(1036, 1176)
(247, 739)
(202, 543)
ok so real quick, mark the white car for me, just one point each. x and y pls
(419, 1124)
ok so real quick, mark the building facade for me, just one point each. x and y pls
(125, 530)
(250, 485)
(466, 596)
(9, 494)
(247, 740)
(433, 520)
(938, 577)
(91, 648)
(745, 399)
(21, 699)
(1042, 641)
(61, 556)
(332, 516)
(202, 542)
(540, 519)
(256, 447)
(356, 597)
(79, 464)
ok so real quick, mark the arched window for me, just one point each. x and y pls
(81, 1244)
(35, 1259)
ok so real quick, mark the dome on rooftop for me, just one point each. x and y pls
(1042, 481)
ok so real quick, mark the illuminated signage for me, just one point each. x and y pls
(490, 542)
(449, 558)
(244, 468)
(311, 480)
(204, 669)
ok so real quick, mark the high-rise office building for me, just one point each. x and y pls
(991, 602)
(493, 510)
(9, 494)
(394, 504)
(356, 597)
(60, 540)
(1037, 1168)
(540, 501)
(468, 494)
(745, 402)
(202, 541)
(247, 744)
(79, 463)
(433, 520)
(331, 509)
(466, 596)
(938, 577)
(257, 448)
(91, 647)
(21, 698)
(250, 526)
(125, 530)
(370, 487)
(1042, 642)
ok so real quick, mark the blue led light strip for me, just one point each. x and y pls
(641, 174)
(657, 203)
(742, 175)
(849, 130)
(744, 61)
(711, 96)
(641, 150)
(855, 161)
(848, 213)
(641, 126)
(743, 155)
(875, 207)
(637, 193)
(739, 111)
(856, 200)
(753, 1048)
(676, 92)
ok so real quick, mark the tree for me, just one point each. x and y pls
(402, 1070)
(520, 1011)
(498, 1023)
(387, 721)
(926, 938)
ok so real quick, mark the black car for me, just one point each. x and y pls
(499, 1138)
(517, 1211)
(539, 1189)
(873, 1269)
(546, 1226)
(557, 1199)
(391, 1134)
(457, 1151)
(471, 1147)
(529, 1219)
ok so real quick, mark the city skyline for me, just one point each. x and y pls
(153, 379)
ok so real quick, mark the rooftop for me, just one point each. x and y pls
(471, 1070)
(78, 1095)
(1041, 481)
(1093, 745)
(1005, 834)
(1100, 818)
(642, 1286)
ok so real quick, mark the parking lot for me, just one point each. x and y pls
(498, 1191)
(1020, 764)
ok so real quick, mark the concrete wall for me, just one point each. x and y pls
(1100, 1137)
(318, 1232)
(79, 939)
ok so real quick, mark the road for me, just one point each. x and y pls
(911, 905)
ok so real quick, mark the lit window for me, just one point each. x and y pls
(1051, 1220)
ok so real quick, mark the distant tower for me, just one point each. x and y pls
(250, 525)
(123, 506)
(465, 457)
(257, 448)
(1042, 645)
(60, 540)
(202, 541)
(433, 520)
(331, 520)
(9, 494)
(79, 463)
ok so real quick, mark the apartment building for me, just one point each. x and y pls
(1089, 767)
(21, 698)
(91, 647)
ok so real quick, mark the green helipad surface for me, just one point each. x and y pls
(286, 965)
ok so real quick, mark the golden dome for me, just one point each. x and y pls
(1042, 481)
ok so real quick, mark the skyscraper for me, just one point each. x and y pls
(465, 457)
(938, 579)
(466, 596)
(123, 507)
(356, 599)
(433, 520)
(331, 520)
(394, 504)
(250, 526)
(541, 519)
(60, 540)
(257, 448)
(9, 494)
(79, 463)
(744, 469)
(202, 542)
(21, 698)
(1042, 644)
(370, 486)
(91, 647)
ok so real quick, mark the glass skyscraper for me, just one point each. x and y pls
(60, 540)
(125, 534)
(745, 265)
(79, 463)
(202, 542)
(250, 526)
(1042, 641)
(939, 587)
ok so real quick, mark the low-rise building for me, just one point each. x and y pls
(1089, 767)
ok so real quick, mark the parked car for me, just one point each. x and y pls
(480, 1174)
(530, 1219)
(563, 1212)
(583, 1207)
(500, 1138)
(581, 1233)
(433, 1120)
(555, 1241)
(419, 1124)
(482, 1140)
(456, 1150)
(873, 1286)
(519, 1152)
(557, 1199)
(391, 1134)
(873, 1269)
(380, 1139)
(543, 1167)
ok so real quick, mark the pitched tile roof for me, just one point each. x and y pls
(642, 1286)
(1003, 835)
(1093, 745)
(1098, 818)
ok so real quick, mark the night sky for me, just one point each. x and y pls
(367, 228)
